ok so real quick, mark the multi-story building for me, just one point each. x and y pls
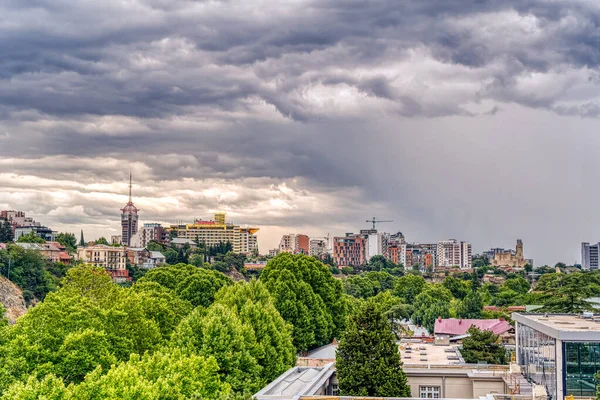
(423, 255)
(273, 252)
(295, 244)
(112, 259)
(52, 251)
(452, 253)
(149, 232)
(589, 255)
(349, 250)
(317, 247)
(115, 239)
(560, 352)
(211, 233)
(129, 220)
(40, 231)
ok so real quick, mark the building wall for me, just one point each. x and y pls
(453, 384)
(510, 259)
(590, 255)
(349, 251)
(452, 253)
(110, 258)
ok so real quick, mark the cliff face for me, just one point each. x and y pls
(11, 297)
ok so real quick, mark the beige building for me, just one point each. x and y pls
(211, 233)
(510, 258)
(113, 259)
(451, 253)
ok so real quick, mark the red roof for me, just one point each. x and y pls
(453, 326)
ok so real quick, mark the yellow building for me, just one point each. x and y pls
(510, 258)
(211, 233)
(113, 259)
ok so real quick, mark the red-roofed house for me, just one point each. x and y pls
(457, 327)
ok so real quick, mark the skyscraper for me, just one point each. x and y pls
(129, 220)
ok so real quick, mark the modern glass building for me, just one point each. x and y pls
(560, 352)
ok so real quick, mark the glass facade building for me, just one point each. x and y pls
(559, 352)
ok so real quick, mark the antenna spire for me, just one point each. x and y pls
(130, 185)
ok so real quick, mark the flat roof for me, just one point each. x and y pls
(296, 381)
(567, 327)
(420, 353)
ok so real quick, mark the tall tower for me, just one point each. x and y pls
(129, 219)
(519, 248)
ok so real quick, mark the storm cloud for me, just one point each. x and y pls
(476, 120)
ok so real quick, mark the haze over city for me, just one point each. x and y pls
(477, 123)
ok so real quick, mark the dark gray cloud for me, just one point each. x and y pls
(311, 114)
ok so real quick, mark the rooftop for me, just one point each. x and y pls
(297, 381)
(453, 326)
(421, 353)
(563, 326)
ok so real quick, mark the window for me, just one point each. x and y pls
(429, 392)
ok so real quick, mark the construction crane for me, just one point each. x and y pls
(376, 221)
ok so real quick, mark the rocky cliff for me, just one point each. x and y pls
(11, 297)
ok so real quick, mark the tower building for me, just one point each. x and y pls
(129, 220)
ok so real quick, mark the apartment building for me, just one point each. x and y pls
(349, 250)
(317, 247)
(148, 233)
(589, 255)
(211, 233)
(112, 259)
(452, 253)
(295, 244)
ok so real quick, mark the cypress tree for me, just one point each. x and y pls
(82, 242)
(368, 360)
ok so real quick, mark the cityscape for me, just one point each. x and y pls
(299, 200)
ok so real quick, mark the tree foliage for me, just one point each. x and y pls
(368, 361)
(431, 303)
(6, 232)
(30, 237)
(68, 240)
(482, 346)
(409, 287)
(308, 297)
(567, 293)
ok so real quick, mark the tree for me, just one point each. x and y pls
(219, 332)
(368, 361)
(81, 240)
(102, 240)
(480, 261)
(471, 306)
(409, 286)
(6, 232)
(30, 237)
(155, 246)
(275, 351)
(171, 256)
(28, 270)
(482, 346)
(431, 303)
(68, 240)
(307, 296)
(568, 293)
(458, 287)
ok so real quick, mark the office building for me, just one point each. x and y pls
(211, 233)
(451, 253)
(589, 255)
(560, 352)
(112, 259)
(349, 250)
(129, 220)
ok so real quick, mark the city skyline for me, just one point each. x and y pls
(468, 121)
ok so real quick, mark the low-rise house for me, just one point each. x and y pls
(48, 251)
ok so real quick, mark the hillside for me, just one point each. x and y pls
(11, 297)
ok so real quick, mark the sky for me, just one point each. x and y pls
(473, 120)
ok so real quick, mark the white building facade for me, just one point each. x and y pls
(452, 253)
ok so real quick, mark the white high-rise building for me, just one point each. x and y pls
(589, 255)
(318, 247)
(452, 253)
(374, 245)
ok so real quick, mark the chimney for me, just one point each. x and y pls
(460, 321)
(335, 342)
(439, 317)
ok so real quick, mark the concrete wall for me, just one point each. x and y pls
(454, 386)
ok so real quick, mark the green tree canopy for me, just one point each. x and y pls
(431, 303)
(482, 346)
(6, 232)
(471, 306)
(102, 240)
(30, 237)
(567, 293)
(68, 240)
(368, 361)
(307, 296)
(409, 286)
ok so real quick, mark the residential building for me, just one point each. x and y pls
(510, 258)
(40, 231)
(112, 259)
(349, 250)
(394, 253)
(273, 252)
(180, 242)
(48, 251)
(421, 255)
(150, 232)
(211, 233)
(17, 219)
(295, 244)
(589, 255)
(560, 352)
(317, 247)
(129, 220)
(452, 253)
(374, 245)
(116, 239)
